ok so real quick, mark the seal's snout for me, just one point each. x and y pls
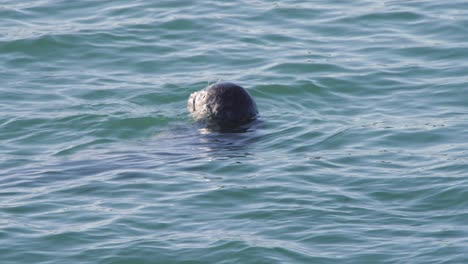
(223, 105)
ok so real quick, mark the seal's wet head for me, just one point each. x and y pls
(222, 106)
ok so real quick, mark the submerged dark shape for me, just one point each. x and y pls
(223, 106)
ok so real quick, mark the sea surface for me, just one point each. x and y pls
(359, 155)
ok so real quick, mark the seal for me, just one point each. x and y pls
(223, 106)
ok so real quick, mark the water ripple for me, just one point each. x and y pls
(359, 154)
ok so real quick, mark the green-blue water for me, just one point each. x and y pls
(360, 154)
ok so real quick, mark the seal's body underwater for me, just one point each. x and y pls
(223, 106)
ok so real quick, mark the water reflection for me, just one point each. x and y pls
(196, 141)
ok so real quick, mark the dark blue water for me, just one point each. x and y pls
(359, 156)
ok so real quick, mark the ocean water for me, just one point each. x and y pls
(359, 156)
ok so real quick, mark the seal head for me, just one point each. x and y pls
(223, 105)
